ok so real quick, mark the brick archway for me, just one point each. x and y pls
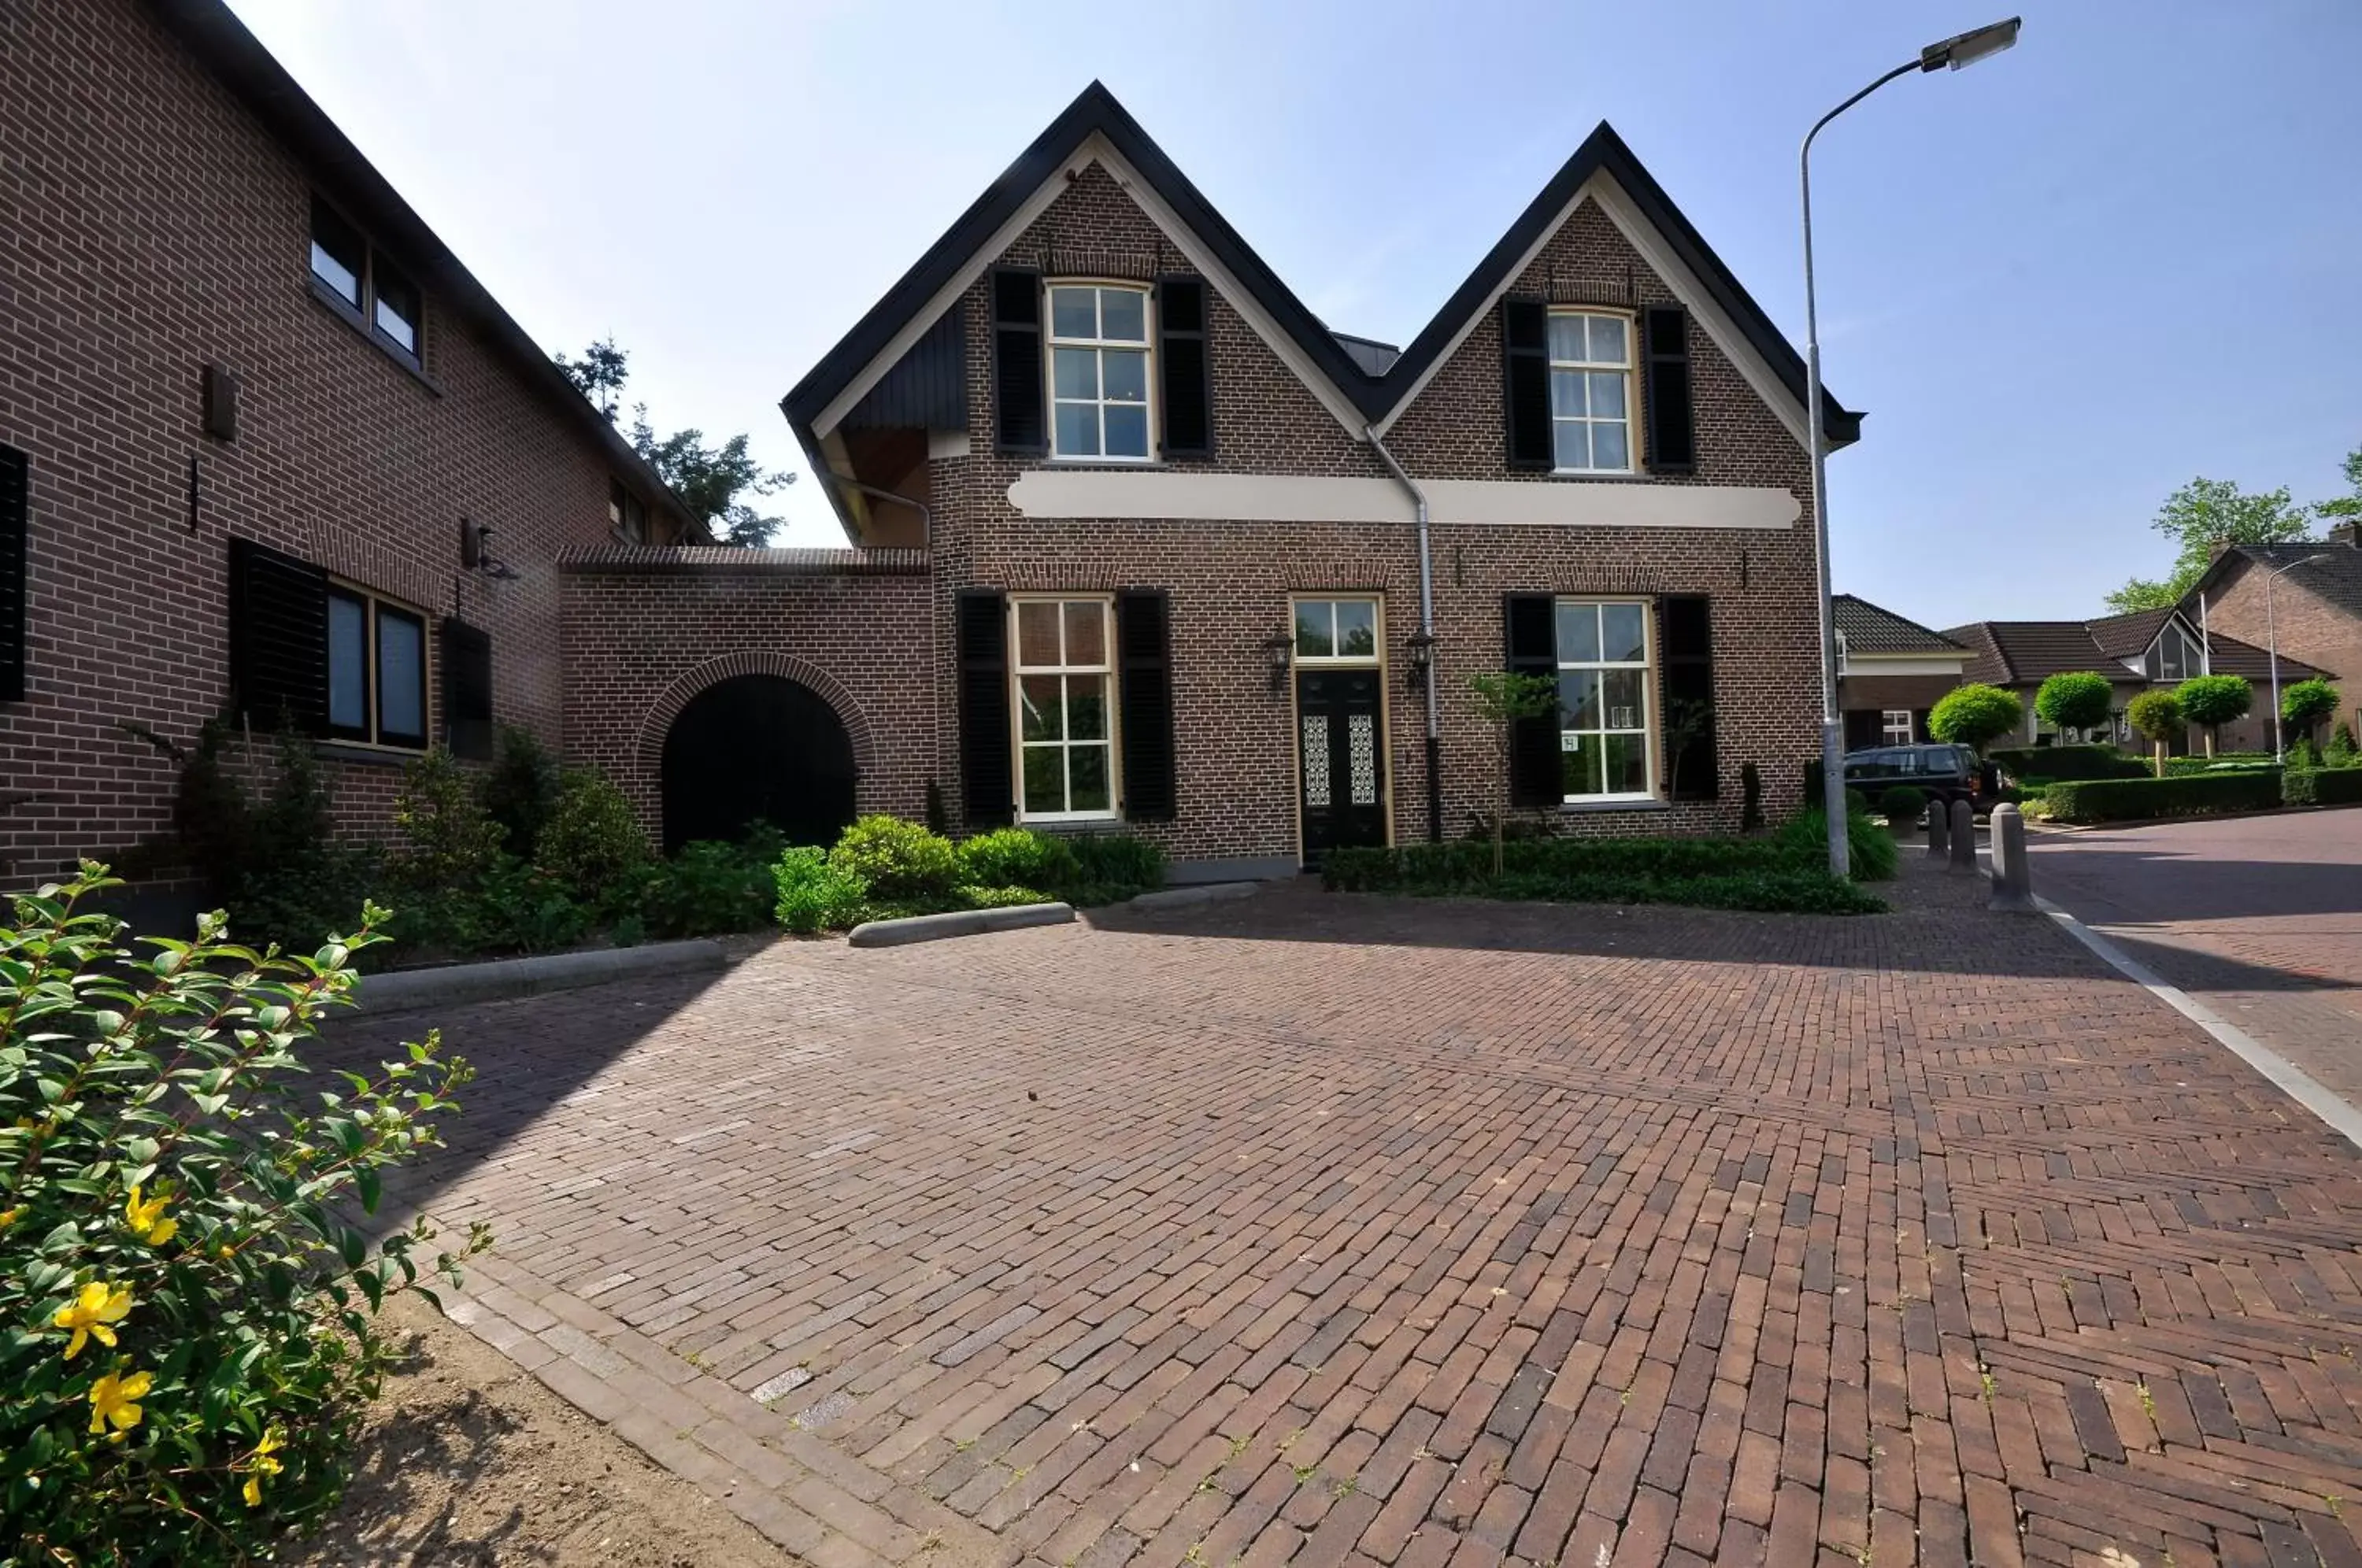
(648, 754)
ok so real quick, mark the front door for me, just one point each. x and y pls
(1342, 759)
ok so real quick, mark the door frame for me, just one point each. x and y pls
(1295, 718)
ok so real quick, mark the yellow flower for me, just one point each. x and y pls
(146, 1220)
(262, 1464)
(99, 1305)
(8, 1216)
(114, 1398)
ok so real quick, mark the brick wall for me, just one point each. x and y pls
(2311, 628)
(149, 225)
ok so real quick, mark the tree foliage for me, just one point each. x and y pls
(1502, 699)
(2077, 700)
(2156, 715)
(2306, 704)
(2350, 503)
(1975, 715)
(718, 481)
(2214, 701)
(2198, 518)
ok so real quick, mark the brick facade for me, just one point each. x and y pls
(150, 223)
(2311, 627)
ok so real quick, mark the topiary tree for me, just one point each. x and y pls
(2214, 701)
(2077, 700)
(1975, 716)
(1502, 699)
(2305, 704)
(2156, 717)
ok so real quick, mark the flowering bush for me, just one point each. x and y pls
(186, 1336)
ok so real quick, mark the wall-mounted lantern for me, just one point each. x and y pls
(1422, 648)
(1279, 647)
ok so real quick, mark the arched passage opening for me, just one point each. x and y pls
(757, 748)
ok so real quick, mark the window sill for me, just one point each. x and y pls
(1125, 464)
(367, 755)
(1590, 808)
(1056, 825)
(1610, 476)
(337, 306)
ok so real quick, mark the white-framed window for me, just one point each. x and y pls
(1605, 734)
(1895, 726)
(1337, 631)
(1099, 403)
(1063, 678)
(1591, 392)
(377, 670)
(2175, 655)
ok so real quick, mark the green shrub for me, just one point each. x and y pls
(1903, 803)
(898, 862)
(1731, 873)
(814, 895)
(2302, 754)
(191, 1338)
(1110, 860)
(2075, 700)
(2322, 786)
(2135, 800)
(2214, 701)
(2055, 762)
(1856, 799)
(711, 888)
(1018, 857)
(593, 843)
(969, 896)
(1870, 849)
(296, 904)
(2156, 716)
(1975, 715)
(448, 840)
(521, 789)
(2225, 762)
(2341, 751)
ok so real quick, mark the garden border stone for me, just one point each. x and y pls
(451, 985)
(1194, 893)
(955, 923)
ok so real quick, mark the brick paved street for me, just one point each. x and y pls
(1319, 1231)
(2261, 917)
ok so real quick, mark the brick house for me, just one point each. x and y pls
(1136, 539)
(2145, 650)
(2314, 607)
(1891, 672)
(266, 448)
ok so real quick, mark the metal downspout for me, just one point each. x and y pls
(1427, 631)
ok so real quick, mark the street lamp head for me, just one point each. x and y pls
(1966, 49)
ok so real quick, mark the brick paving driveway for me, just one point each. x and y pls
(2259, 916)
(1320, 1230)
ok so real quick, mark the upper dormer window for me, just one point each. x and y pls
(1591, 392)
(2174, 656)
(375, 294)
(1099, 373)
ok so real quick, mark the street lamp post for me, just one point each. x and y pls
(1953, 53)
(2273, 641)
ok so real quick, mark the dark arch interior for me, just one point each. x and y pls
(757, 748)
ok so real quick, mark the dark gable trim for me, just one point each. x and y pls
(1096, 110)
(222, 44)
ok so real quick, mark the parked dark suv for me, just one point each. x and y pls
(1945, 773)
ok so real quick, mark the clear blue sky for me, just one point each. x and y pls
(2061, 283)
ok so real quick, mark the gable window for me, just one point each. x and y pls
(1099, 373)
(380, 298)
(1603, 694)
(1895, 726)
(1062, 677)
(377, 670)
(1591, 385)
(2175, 655)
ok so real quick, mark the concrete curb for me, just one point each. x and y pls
(456, 985)
(956, 922)
(1203, 893)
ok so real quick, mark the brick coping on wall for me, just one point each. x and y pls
(626, 558)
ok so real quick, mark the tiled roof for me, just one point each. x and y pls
(2229, 656)
(2027, 653)
(2128, 636)
(730, 558)
(1869, 629)
(2337, 577)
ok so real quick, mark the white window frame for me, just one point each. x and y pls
(1295, 607)
(1145, 348)
(1105, 670)
(1595, 367)
(1887, 726)
(1646, 664)
(2193, 660)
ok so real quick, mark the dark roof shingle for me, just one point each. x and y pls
(1869, 629)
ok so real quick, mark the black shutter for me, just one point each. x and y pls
(1020, 424)
(1524, 382)
(1144, 698)
(15, 524)
(987, 781)
(278, 638)
(1184, 365)
(468, 690)
(1672, 426)
(1530, 621)
(1685, 640)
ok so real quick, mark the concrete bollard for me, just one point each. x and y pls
(2013, 876)
(1939, 837)
(1964, 838)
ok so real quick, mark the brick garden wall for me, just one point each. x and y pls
(148, 225)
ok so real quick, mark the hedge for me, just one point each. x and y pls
(2229, 762)
(2135, 800)
(2322, 787)
(2070, 762)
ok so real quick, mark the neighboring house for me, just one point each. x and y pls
(266, 448)
(1128, 548)
(2149, 648)
(2315, 606)
(1891, 672)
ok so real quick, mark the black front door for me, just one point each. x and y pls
(1342, 756)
